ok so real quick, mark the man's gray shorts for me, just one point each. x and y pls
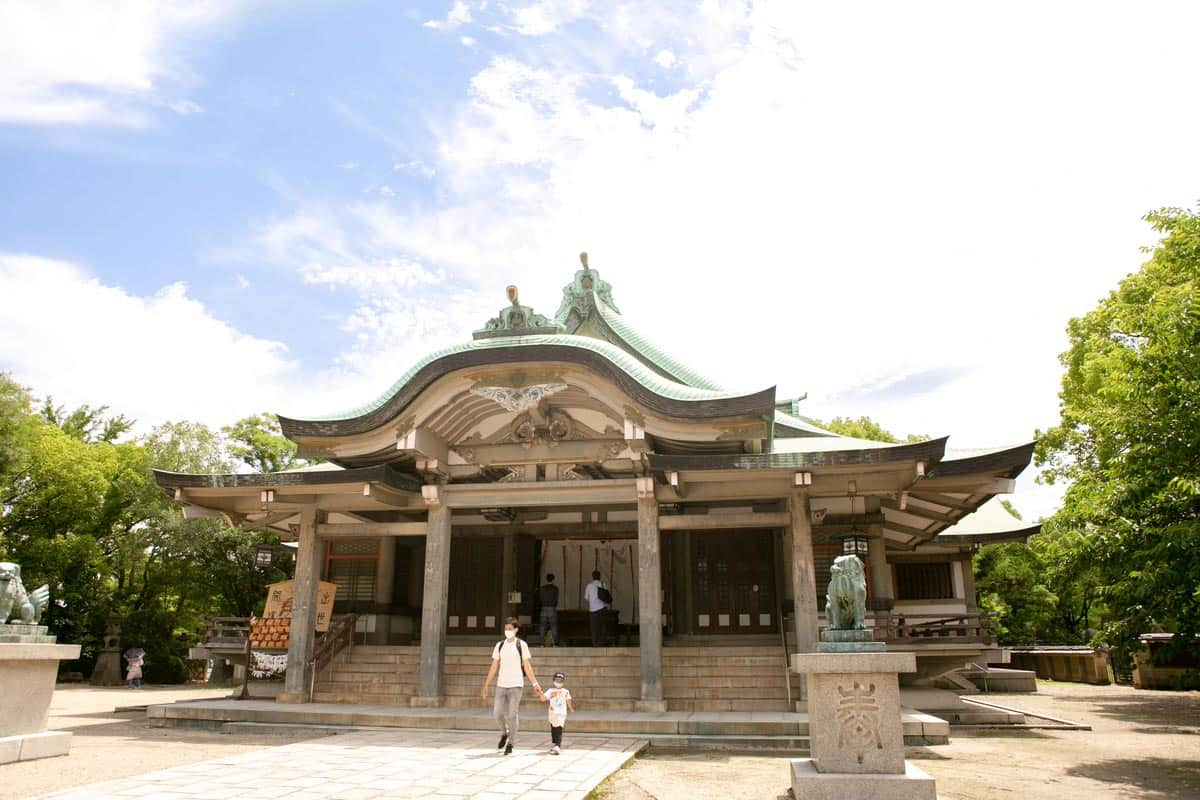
(508, 707)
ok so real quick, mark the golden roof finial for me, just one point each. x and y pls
(512, 294)
(583, 260)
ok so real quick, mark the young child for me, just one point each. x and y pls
(559, 699)
(133, 677)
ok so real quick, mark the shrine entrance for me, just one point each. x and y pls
(733, 582)
(474, 601)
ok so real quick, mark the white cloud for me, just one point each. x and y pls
(98, 61)
(665, 59)
(458, 15)
(153, 358)
(894, 209)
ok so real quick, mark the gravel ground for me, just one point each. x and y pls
(1143, 745)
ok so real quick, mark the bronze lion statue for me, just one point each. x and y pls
(846, 597)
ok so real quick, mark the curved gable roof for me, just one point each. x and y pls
(629, 373)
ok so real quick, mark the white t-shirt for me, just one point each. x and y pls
(558, 701)
(510, 674)
(592, 595)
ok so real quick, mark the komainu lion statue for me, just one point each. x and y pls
(15, 602)
(846, 598)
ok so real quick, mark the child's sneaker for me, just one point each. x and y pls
(554, 751)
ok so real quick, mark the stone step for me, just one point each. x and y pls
(789, 745)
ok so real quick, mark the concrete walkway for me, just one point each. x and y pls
(391, 764)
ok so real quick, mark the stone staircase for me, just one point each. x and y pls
(709, 678)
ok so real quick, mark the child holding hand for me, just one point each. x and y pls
(559, 699)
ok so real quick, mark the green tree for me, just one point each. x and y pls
(187, 447)
(260, 444)
(1128, 441)
(865, 428)
(16, 424)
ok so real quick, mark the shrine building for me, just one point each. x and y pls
(572, 443)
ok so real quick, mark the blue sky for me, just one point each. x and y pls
(892, 207)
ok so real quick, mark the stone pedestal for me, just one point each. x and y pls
(28, 670)
(855, 734)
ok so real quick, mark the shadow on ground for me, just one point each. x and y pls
(1169, 709)
(1155, 777)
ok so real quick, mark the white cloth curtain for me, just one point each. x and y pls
(571, 561)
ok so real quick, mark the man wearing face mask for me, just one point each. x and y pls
(510, 665)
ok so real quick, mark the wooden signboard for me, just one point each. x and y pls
(279, 602)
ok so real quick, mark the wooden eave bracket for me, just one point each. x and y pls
(677, 484)
(635, 436)
(423, 445)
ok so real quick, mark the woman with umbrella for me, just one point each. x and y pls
(133, 677)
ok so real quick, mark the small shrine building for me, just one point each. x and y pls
(570, 444)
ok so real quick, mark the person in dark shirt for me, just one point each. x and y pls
(548, 600)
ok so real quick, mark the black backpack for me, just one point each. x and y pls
(604, 595)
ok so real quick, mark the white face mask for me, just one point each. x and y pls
(558, 684)
(510, 635)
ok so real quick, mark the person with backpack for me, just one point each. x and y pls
(510, 665)
(548, 600)
(598, 599)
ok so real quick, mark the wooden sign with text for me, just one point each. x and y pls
(280, 596)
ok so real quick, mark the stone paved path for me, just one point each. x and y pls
(379, 764)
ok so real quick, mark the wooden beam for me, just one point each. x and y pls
(696, 522)
(267, 521)
(918, 511)
(595, 530)
(943, 500)
(389, 496)
(967, 484)
(342, 530)
(899, 527)
(540, 493)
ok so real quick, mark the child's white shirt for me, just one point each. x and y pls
(558, 700)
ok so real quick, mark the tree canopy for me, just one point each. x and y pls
(80, 510)
(864, 428)
(1128, 441)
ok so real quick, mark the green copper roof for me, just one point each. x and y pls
(620, 358)
(652, 352)
(797, 424)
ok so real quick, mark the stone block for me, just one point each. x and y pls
(809, 784)
(854, 662)
(27, 676)
(45, 745)
(427, 702)
(10, 749)
(854, 722)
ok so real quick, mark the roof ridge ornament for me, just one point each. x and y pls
(587, 283)
(517, 320)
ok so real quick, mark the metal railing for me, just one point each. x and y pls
(339, 637)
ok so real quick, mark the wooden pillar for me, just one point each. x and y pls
(883, 597)
(649, 598)
(434, 602)
(968, 579)
(310, 557)
(804, 579)
(508, 571)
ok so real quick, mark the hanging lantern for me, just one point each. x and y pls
(855, 544)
